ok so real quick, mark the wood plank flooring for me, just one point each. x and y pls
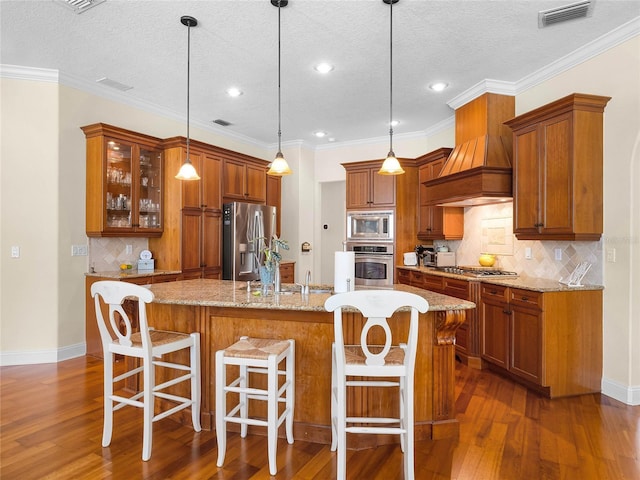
(51, 428)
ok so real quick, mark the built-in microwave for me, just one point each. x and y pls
(372, 225)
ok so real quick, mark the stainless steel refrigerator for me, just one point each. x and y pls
(246, 230)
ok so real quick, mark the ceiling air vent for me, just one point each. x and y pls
(79, 6)
(563, 14)
(113, 84)
(224, 123)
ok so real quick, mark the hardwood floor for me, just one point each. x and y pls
(51, 420)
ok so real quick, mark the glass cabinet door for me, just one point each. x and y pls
(150, 189)
(119, 182)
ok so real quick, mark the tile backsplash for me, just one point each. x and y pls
(542, 263)
(107, 253)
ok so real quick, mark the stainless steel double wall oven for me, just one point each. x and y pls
(370, 237)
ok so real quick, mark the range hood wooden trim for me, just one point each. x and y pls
(469, 184)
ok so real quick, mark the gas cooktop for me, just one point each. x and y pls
(478, 272)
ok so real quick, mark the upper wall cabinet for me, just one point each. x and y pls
(124, 183)
(436, 223)
(244, 180)
(366, 188)
(557, 172)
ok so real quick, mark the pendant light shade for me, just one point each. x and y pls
(279, 166)
(391, 165)
(187, 170)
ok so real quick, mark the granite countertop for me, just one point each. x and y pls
(524, 282)
(227, 293)
(131, 273)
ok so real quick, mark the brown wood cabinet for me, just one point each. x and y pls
(124, 191)
(366, 188)
(287, 272)
(436, 223)
(192, 239)
(557, 174)
(550, 341)
(467, 334)
(244, 180)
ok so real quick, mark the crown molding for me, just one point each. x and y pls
(586, 52)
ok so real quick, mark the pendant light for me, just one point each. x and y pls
(391, 165)
(187, 170)
(279, 166)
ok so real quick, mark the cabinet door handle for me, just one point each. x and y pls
(525, 299)
(506, 311)
(538, 224)
(493, 292)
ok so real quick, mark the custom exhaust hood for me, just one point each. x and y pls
(478, 171)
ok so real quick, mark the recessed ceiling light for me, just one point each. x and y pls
(320, 134)
(438, 86)
(323, 67)
(234, 92)
(331, 139)
(394, 123)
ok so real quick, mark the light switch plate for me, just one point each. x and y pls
(15, 252)
(527, 253)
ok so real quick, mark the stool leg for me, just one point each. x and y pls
(221, 406)
(272, 412)
(334, 407)
(148, 401)
(409, 448)
(107, 427)
(195, 382)
(403, 413)
(341, 421)
(290, 392)
(244, 399)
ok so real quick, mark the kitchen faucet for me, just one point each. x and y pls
(304, 289)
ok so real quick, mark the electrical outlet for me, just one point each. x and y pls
(611, 255)
(129, 249)
(15, 252)
(558, 253)
(79, 251)
(527, 253)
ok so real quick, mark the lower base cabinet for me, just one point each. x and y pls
(550, 341)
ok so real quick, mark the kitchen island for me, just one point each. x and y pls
(221, 311)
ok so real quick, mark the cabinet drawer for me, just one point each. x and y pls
(404, 276)
(525, 298)
(456, 288)
(416, 279)
(495, 292)
(287, 273)
(433, 282)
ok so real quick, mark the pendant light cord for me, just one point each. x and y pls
(391, 77)
(188, 83)
(279, 100)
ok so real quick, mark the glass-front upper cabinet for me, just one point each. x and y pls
(124, 183)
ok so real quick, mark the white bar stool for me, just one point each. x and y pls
(149, 345)
(368, 365)
(262, 356)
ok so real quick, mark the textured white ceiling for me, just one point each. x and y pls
(144, 45)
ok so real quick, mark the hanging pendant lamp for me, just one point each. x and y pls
(279, 166)
(391, 165)
(187, 170)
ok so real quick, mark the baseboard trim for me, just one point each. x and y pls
(43, 356)
(624, 393)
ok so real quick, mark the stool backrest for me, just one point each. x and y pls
(377, 306)
(113, 294)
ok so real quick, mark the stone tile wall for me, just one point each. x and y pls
(107, 253)
(542, 264)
